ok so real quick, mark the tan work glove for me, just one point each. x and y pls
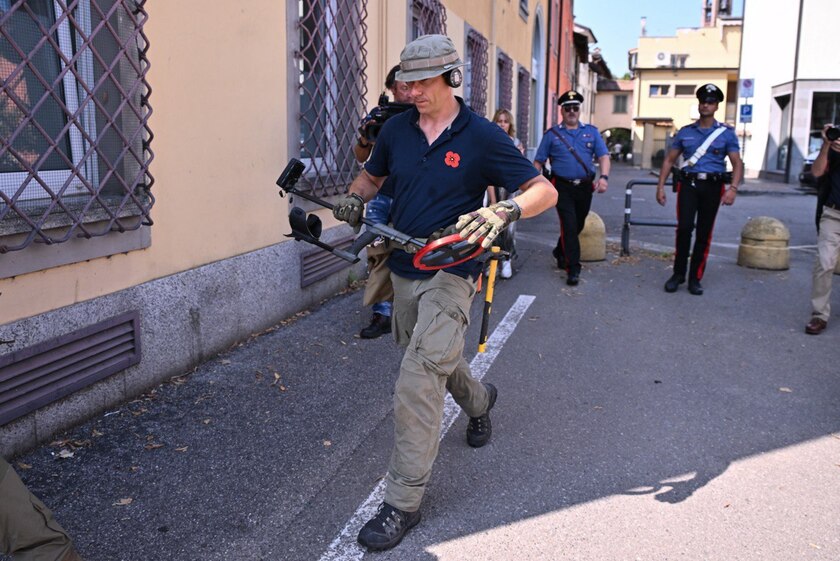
(488, 222)
(350, 209)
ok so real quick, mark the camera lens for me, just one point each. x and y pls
(832, 133)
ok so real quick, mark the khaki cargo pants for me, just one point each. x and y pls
(430, 318)
(828, 251)
(378, 287)
(28, 530)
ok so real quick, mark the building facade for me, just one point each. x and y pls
(795, 91)
(613, 111)
(141, 231)
(668, 70)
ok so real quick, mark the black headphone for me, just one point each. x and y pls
(454, 78)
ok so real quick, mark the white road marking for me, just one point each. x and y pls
(344, 547)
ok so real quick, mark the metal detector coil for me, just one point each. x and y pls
(447, 251)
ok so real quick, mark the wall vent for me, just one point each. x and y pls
(318, 264)
(33, 377)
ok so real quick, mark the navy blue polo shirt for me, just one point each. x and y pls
(433, 185)
(690, 137)
(587, 142)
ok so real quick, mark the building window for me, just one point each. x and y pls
(678, 61)
(523, 9)
(74, 112)
(427, 17)
(620, 103)
(331, 68)
(659, 90)
(523, 105)
(685, 91)
(475, 82)
(504, 82)
(825, 108)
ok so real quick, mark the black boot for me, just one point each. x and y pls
(387, 528)
(557, 253)
(479, 428)
(379, 325)
(674, 282)
(695, 287)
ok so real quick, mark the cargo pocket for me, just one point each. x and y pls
(439, 336)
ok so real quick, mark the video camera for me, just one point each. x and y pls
(381, 113)
(832, 133)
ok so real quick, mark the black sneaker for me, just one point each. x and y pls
(672, 284)
(573, 279)
(387, 528)
(379, 325)
(479, 428)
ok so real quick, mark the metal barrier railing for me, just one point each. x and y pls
(628, 221)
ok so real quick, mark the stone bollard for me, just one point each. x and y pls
(764, 244)
(593, 239)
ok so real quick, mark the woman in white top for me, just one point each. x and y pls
(504, 119)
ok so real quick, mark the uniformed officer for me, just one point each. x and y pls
(440, 157)
(701, 186)
(27, 527)
(570, 148)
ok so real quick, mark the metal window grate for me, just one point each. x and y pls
(523, 108)
(427, 17)
(74, 111)
(477, 57)
(36, 376)
(332, 65)
(505, 100)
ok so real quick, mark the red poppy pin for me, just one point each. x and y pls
(452, 159)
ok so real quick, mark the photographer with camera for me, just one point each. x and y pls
(700, 185)
(439, 158)
(379, 293)
(826, 169)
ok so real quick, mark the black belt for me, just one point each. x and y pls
(573, 181)
(703, 176)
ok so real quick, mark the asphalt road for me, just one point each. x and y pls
(630, 424)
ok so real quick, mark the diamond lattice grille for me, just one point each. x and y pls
(332, 65)
(74, 135)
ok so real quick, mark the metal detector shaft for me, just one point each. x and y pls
(292, 173)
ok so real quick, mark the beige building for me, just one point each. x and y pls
(141, 231)
(668, 70)
(614, 105)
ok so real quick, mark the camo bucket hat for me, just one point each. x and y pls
(426, 57)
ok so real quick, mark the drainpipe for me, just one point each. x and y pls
(793, 94)
(560, 51)
(493, 63)
(546, 61)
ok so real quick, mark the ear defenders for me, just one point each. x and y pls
(454, 78)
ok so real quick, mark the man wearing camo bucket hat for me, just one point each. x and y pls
(440, 157)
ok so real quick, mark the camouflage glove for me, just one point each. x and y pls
(442, 233)
(350, 209)
(488, 222)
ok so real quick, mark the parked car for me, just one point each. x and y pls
(806, 178)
